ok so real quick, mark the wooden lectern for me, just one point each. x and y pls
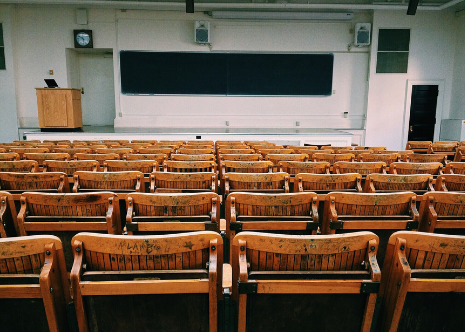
(59, 108)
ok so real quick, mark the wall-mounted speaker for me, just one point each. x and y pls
(202, 32)
(362, 34)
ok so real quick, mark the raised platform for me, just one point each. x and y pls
(278, 135)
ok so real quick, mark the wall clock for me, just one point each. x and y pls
(83, 39)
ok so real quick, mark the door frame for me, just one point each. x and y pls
(408, 101)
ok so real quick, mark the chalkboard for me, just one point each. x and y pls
(258, 74)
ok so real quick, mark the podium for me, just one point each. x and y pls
(59, 108)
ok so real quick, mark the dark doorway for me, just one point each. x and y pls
(423, 112)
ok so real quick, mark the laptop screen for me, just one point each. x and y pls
(51, 83)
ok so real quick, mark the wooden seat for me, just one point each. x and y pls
(193, 157)
(296, 167)
(444, 147)
(362, 168)
(388, 158)
(450, 182)
(94, 147)
(356, 153)
(459, 153)
(381, 213)
(305, 283)
(119, 182)
(33, 284)
(196, 151)
(70, 167)
(20, 166)
(416, 168)
(41, 157)
(9, 156)
(423, 286)
(265, 152)
(426, 158)
(119, 151)
(240, 157)
(157, 150)
(100, 157)
(301, 149)
(336, 148)
(418, 183)
(183, 182)
(235, 151)
(443, 212)
(256, 182)
(119, 141)
(172, 282)
(159, 158)
(21, 151)
(64, 215)
(276, 158)
(189, 166)
(144, 166)
(232, 166)
(72, 151)
(151, 142)
(374, 148)
(174, 212)
(16, 183)
(198, 146)
(8, 223)
(201, 142)
(418, 146)
(324, 183)
(332, 158)
(455, 168)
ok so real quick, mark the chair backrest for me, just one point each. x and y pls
(356, 153)
(426, 158)
(119, 151)
(183, 182)
(41, 157)
(416, 168)
(157, 150)
(8, 223)
(388, 158)
(455, 168)
(100, 157)
(126, 181)
(302, 149)
(72, 151)
(336, 148)
(19, 166)
(178, 274)
(306, 281)
(173, 212)
(324, 183)
(189, 166)
(374, 148)
(71, 166)
(448, 147)
(159, 158)
(233, 166)
(193, 157)
(459, 153)
(21, 151)
(235, 151)
(295, 167)
(34, 282)
(332, 158)
(9, 156)
(276, 158)
(422, 284)
(418, 183)
(240, 157)
(362, 168)
(16, 183)
(444, 212)
(256, 182)
(450, 182)
(265, 152)
(196, 151)
(418, 146)
(144, 166)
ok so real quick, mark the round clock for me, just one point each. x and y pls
(83, 39)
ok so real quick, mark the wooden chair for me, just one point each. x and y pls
(240, 157)
(70, 167)
(418, 146)
(33, 284)
(41, 157)
(448, 148)
(382, 213)
(64, 215)
(100, 157)
(245, 150)
(2, 150)
(443, 212)
(362, 168)
(332, 158)
(17, 183)
(157, 150)
(9, 156)
(119, 141)
(72, 151)
(422, 287)
(459, 153)
(119, 182)
(416, 168)
(183, 182)
(147, 282)
(296, 167)
(144, 166)
(94, 147)
(201, 142)
(8, 223)
(196, 151)
(356, 153)
(324, 183)
(198, 146)
(119, 151)
(450, 182)
(174, 212)
(150, 142)
(418, 183)
(20, 166)
(159, 158)
(388, 158)
(336, 148)
(228, 166)
(374, 148)
(301, 149)
(403, 153)
(265, 152)
(256, 182)
(426, 158)
(193, 157)
(189, 166)
(455, 168)
(303, 283)
(21, 151)
(276, 158)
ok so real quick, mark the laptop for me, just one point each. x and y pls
(51, 83)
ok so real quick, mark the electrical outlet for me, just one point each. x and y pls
(50, 72)
(346, 114)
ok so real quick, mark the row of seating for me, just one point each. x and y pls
(280, 283)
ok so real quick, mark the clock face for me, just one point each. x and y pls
(83, 38)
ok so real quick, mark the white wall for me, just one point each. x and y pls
(431, 58)
(8, 118)
(457, 107)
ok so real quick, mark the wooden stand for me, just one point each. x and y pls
(59, 108)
